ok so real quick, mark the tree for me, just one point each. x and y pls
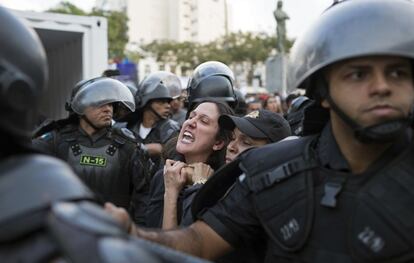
(117, 31)
(236, 48)
(117, 26)
(65, 7)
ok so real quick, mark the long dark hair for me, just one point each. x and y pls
(217, 158)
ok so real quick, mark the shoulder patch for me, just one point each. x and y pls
(128, 133)
(124, 133)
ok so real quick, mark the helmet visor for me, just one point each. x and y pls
(101, 92)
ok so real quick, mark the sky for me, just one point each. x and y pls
(246, 15)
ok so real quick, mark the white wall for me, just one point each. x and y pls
(148, 20)
(178, 20)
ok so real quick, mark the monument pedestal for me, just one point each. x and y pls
(276, 74)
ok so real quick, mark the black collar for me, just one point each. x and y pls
(96, 136)
(330, 155)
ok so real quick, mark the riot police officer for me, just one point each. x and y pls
(344, 193)
(151, 121)
(211, 79)
(107, 159)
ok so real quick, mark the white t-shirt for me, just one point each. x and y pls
(143, 132)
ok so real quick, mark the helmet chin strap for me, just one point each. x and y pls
(156, 113)
(378, 133)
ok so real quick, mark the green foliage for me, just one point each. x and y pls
(236, 47)
(117, 31)
(117, 26)
(65, 7)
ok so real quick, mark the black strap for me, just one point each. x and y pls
(331, 190)
(117, 142)
(283, 172)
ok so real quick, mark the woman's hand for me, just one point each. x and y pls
(201, 172)
(174, 178)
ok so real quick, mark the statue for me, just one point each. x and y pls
(280, 17)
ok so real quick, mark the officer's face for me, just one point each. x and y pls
(162, 107)
(197, 138)
(240, 143)
(372, 89)
(100, 116)
(176, 104)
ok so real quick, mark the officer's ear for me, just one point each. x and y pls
(218, 145)
(325, 104)
(322, 88)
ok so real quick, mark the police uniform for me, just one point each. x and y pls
(154, 87)
(163, 130)
(110, 162)
(309, 207)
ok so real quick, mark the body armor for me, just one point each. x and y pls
(104, 167)
(364, 219)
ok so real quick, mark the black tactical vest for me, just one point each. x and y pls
(105, 169)
(343, 218)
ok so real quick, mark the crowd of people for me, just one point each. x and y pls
(162, 173)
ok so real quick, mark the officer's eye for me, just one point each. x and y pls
(356, 75)
(399, 73)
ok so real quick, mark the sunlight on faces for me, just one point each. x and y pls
(240, 143)
(197, 138)
(373, 89)
(100, 116)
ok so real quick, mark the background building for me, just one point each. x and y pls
(178, 20)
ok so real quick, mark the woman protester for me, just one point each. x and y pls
(200, 149)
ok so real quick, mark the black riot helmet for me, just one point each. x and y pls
(296, 114)
(241, 106)
(23, 75)
(352, 29)
(211, 79)
(99, 91)
(175, 87)
(155, 87)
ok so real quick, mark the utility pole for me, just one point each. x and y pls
(226, 18)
